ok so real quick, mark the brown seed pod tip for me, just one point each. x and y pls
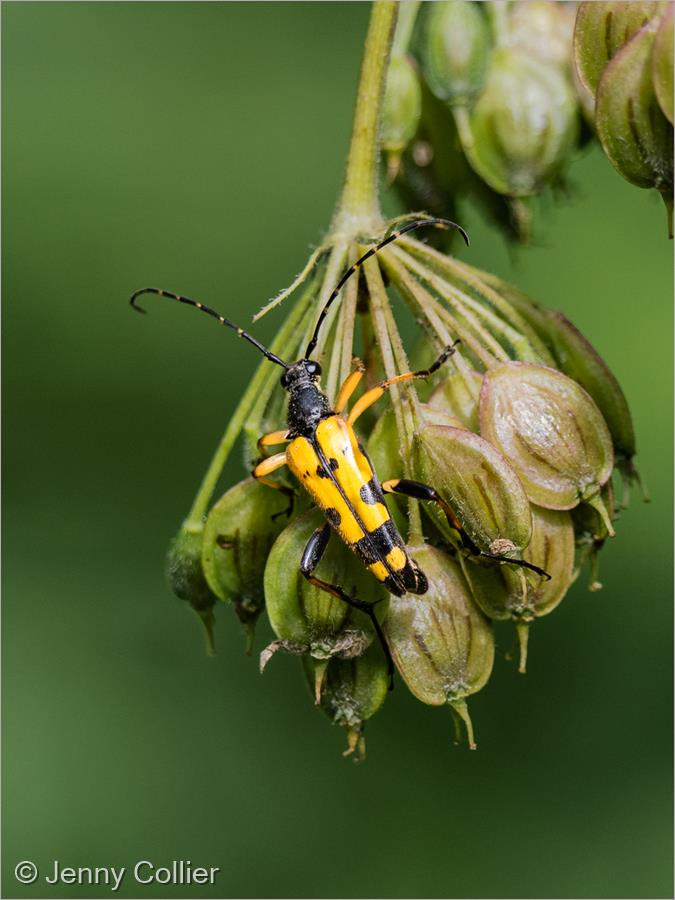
(523, 630)
(320, 666)
(597, 503)
(630, 474)
(249, 637)
(461, 715)
(275, 646)
(356, 743)
(208, 620)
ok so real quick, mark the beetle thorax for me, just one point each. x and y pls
(307, 404)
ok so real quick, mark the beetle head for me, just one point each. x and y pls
(304, 371)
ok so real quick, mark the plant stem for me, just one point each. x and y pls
(404, 27)
(359, 208)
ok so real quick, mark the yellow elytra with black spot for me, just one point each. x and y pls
(335, 470)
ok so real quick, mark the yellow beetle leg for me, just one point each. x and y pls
(273, 437)
(375, 393)
(351, 382)
(265, 468)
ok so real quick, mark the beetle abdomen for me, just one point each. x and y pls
(335, 470)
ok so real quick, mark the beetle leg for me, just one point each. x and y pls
(311, 558)
(350, 384)
(374, 394)
(265, 468)
(271, 438)
(423, 492)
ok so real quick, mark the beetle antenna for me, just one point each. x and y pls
(211, 312)
(418, 223)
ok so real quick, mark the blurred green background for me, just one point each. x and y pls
(200, 147)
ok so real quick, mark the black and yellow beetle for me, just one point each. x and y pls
(328, 460)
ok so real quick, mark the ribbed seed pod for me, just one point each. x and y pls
(401, 110)
(523, 596)
(307, 619)
(601, 30)
(186, 579)
(635, 134)
(239, 533)
(458, 394)
(524, 125)
(576, 357)
(442, 644)
(353, 691)
(550, 430)
(662, 64)
(542, 29)
(455, 50)
(478, 484)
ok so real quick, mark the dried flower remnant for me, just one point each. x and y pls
(353, 690)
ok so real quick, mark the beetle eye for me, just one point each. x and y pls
(313, 368)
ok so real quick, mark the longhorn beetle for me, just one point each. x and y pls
(331, 464)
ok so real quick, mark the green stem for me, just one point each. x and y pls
(471, 311)
(419, 298)
(412, 419)
(404, 27)
(359, 208)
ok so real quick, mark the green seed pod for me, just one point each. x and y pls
(543, 30)
(439, 414)
(481, 488)
(576, 357)
(586, 101)
(635, 135)
(307, 619)
(590, 530)
(186, 578)
(458, 394)
(601, 30)
(353, 691)
(550, 430)
(520, 595)
(401, 110)
(239, 533)
(455, 50)
(441, 644)
(662, 64)
(523, 127)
